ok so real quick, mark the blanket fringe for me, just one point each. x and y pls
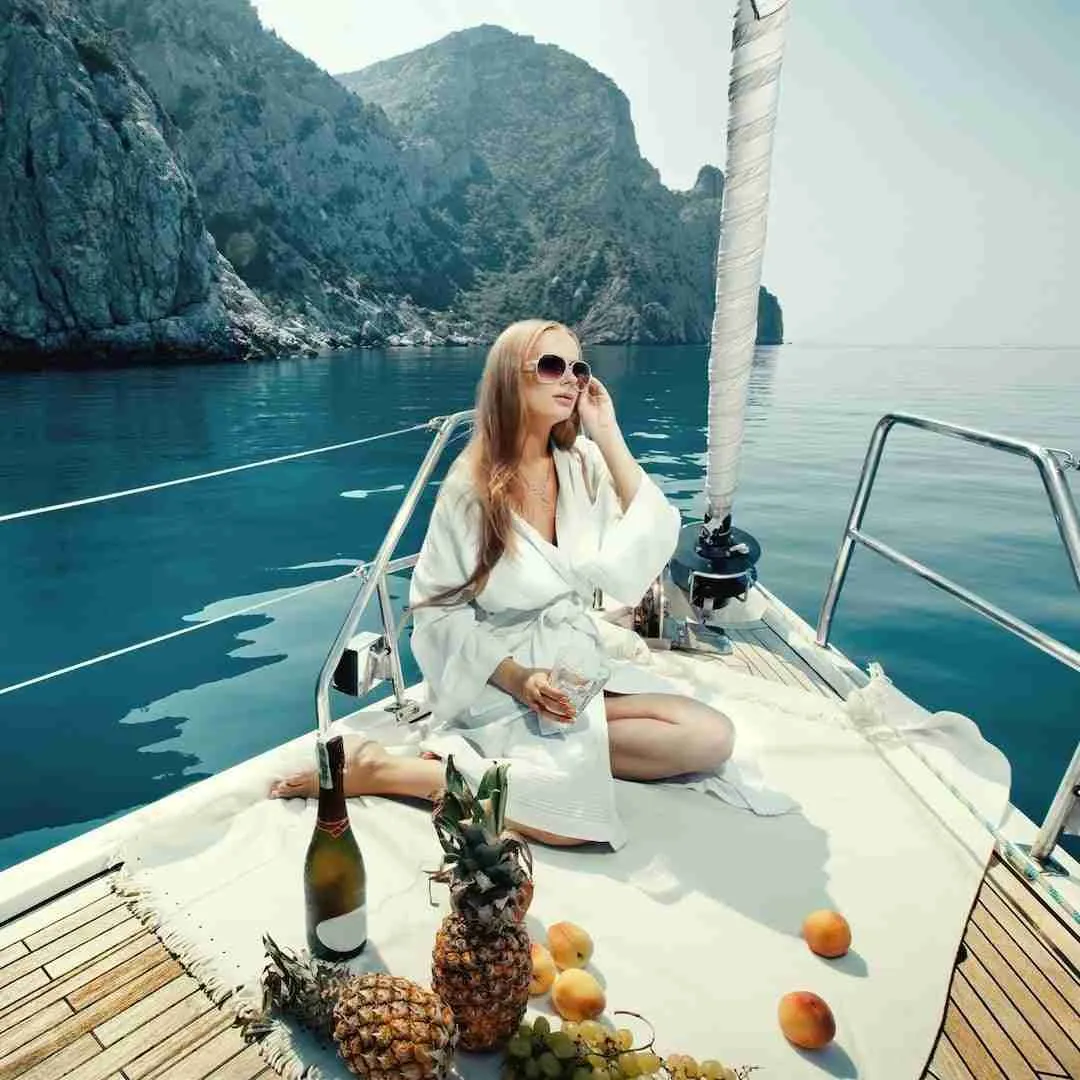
(279, 1053)
(198, 966)
(276, 1046)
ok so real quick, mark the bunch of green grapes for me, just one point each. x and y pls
(684, 1067)
(592, 1051)
(538, 1053)
(610, 1053)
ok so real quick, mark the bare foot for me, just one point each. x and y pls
(370, 770)
(364, 761)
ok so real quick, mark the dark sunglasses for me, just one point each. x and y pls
(552, 368)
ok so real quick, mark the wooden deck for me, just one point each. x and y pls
(1014, 1003)
(759, 650)
(86, 992)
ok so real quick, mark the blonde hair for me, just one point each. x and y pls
(494, 451)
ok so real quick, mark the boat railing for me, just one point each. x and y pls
(1050, 464)
(374, 584)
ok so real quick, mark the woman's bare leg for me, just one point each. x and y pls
(658, 736)
(370, 770)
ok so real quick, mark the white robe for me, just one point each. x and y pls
(537, 601)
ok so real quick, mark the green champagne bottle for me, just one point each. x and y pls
(335, 883)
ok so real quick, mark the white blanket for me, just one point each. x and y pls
(696, 919)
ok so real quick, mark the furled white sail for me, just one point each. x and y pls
(757, 51)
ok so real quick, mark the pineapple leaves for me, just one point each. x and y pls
(455, 782)
(483, 866)
(492, 796)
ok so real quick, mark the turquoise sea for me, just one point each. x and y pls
(86, 747)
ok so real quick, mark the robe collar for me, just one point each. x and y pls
(560, 557)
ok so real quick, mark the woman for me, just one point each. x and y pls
(531, 518)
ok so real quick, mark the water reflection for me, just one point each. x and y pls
(762, 377)
(118, 735)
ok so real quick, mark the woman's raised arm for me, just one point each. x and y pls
(601, 425)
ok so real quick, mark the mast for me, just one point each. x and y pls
(716, 561)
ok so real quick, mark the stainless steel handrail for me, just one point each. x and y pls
(374, 581)
(1064, 510)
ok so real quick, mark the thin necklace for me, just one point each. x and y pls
(542, 492)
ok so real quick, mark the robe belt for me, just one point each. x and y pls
(569, 610)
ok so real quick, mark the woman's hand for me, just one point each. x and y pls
(597, 411)
(534, 689)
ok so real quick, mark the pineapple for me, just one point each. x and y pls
(385, 1027)
(481, 965)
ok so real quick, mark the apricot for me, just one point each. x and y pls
(827, 933)
(577, 995)
(570, 946)
(806, 1020)
(543, 970)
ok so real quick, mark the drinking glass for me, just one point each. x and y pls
(580, 673)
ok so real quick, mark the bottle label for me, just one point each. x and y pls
(343, 933)
(325, 779)
(333, 828)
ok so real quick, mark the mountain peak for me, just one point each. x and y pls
(487, 32)
(553, 205)
(559, 212)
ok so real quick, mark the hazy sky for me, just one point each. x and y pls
(926, 179)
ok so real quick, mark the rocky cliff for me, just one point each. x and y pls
(103, 248)
(304, 187)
